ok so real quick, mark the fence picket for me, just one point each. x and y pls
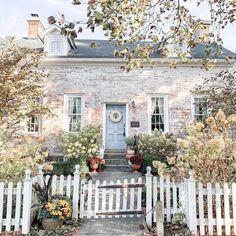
(61, 185)
(82, 193)
(104, 197)
(89, 206)
(218, 209)
(209, 209)
(226, 207)
(1, 204)
(54, 184)
(168, 214)
(96, 199)
(139, 201)
(174, 187)
(118, 198)
(9, 206)
(154, 196)
(110, 207)
(18, 206)
(68, 186)
(233, 203)
(201, 209)
(132, 197)
(162, 194)
(125, 193)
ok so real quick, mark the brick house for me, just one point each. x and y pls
(87, 86)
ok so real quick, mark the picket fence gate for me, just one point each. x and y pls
(209, 210)
(108, 199)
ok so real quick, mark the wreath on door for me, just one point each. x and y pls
(115, 116)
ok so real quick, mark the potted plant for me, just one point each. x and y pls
(54, 212)
(130, 142)
(136, 162)
(96, 164)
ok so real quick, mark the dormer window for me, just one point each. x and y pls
(55, 46)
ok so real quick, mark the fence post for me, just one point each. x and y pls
(159, 219)
(191, 204)
(75, 200)
(27, 197)
(40, 175)
(149, 196)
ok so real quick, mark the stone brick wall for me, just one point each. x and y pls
(101, 83)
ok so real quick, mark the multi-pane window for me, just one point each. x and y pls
(74, 113)
(33, 122)
(55, 46)
(199, 108)
(158, 115)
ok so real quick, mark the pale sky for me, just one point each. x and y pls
(14, 14)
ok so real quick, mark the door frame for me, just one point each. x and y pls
(105, 123)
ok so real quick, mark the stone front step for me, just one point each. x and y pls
(117, 168)
(119, 151)
(116, 161)
(114, 156)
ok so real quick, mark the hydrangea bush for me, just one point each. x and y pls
(157, 146)
(207, 150)
(85, 142)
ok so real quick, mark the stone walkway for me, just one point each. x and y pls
(117, 168)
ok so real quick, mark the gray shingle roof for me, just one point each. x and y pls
(105, 49)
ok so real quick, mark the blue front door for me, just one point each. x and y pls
(115, 126)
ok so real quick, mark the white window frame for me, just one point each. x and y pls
(66, 112)
(49, 41)
(166, 112)
(39, 123)
(193, 106)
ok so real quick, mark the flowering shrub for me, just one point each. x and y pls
(56, 209)
(84, 142)
(207, 150)
(157, 145)
(25, 154)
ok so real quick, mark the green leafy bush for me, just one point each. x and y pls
(157, 143)
(147, 161)
(156, 147)
(82, 143)
(68, 167)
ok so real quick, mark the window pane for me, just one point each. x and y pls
(55, 46)
(200, 109)
(158, 113)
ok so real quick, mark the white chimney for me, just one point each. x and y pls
(35, 26)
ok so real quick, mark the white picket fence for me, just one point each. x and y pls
(108, 199)
(209, 210)
(15, 204)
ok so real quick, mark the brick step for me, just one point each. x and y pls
(116, 161)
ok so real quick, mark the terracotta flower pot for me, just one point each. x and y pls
(136, 167)
(94, 165)
(50, 224)
(130, 152)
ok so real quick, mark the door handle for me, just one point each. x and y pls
(124, 134)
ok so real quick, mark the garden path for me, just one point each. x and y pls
(117, 168)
